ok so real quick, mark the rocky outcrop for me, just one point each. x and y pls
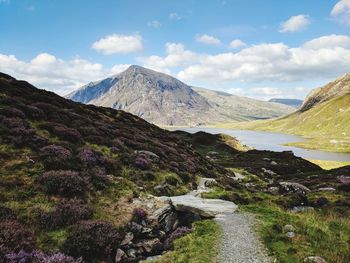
(336, 88)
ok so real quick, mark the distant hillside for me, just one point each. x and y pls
(295, 103)
(336, 88)
(324, 118)
(242, 108)
(164, 100)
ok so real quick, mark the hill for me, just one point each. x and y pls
(164, 100)
(239, 108)
(324, 119)
(290, 102)
(70, 171)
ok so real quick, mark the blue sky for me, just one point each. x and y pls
(279, 48)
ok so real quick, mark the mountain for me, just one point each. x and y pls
(295, 103)
(336, 88)
(324, 118)
(164, 100)
(241, 108)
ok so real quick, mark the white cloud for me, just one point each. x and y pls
(177, 56)
(321, 58)
(155, 24)
(295, 23)
(341, 12)
(113, 44)
(51, 73)
(329, 42)
(175, 16)
(237, 43)
(206, 39)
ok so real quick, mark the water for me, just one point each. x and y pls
(274, 142)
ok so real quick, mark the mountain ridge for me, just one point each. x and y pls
(163, 100)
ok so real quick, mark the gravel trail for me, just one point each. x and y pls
(239, 242)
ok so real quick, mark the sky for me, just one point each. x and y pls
(254, 48)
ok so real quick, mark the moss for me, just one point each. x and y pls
(50, 241)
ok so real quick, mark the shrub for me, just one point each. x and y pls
(139, 215)
(63, 182)
(14, 236)
(6, 213)
(99, 179)
(54, 156)
(142, 162)
(34, 112)
(93, 240)
(13, 112)
(88, 157)
(65, 213)
(69, 134)
(37, 256)
(179, 232)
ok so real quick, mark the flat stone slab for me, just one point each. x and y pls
(204, 207)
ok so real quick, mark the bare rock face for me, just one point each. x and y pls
(164, 100)
(336, 88)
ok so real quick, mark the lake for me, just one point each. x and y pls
(273, 141)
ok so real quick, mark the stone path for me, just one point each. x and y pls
(239, 242)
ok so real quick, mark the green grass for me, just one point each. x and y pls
(325, 126)
(327, 236)
(328, 165)
(200, 246)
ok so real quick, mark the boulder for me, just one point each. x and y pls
(149, 154)
(290, 187)
(166, 217)
(127, 239)
(149, 245)
(273, 190)
(290, 234)
(206, 208)
(288, 228)
(299, 209)
(119, 256)
(268, 172)
(326, 189)
(314, 259)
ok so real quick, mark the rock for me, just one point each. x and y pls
(153, 258)
(119, 256)
(314, 259)
(273, 163)
(322, 201)
(288, 228)
(298, 209)
(127, 239)
(149, 154)
(132, 253)
(162, 189)
(290, 187)
(326, 189)
(273, 190)
(290, 234)
(266, 159)
(207, 208)
(268, 172)
(149, 245)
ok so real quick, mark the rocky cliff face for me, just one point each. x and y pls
(164, 100)
(153, 96)
(336, 88)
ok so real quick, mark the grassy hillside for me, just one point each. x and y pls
(69, 172)
(327, 125)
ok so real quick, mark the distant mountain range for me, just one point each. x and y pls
(295, 103)
(164, 100)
